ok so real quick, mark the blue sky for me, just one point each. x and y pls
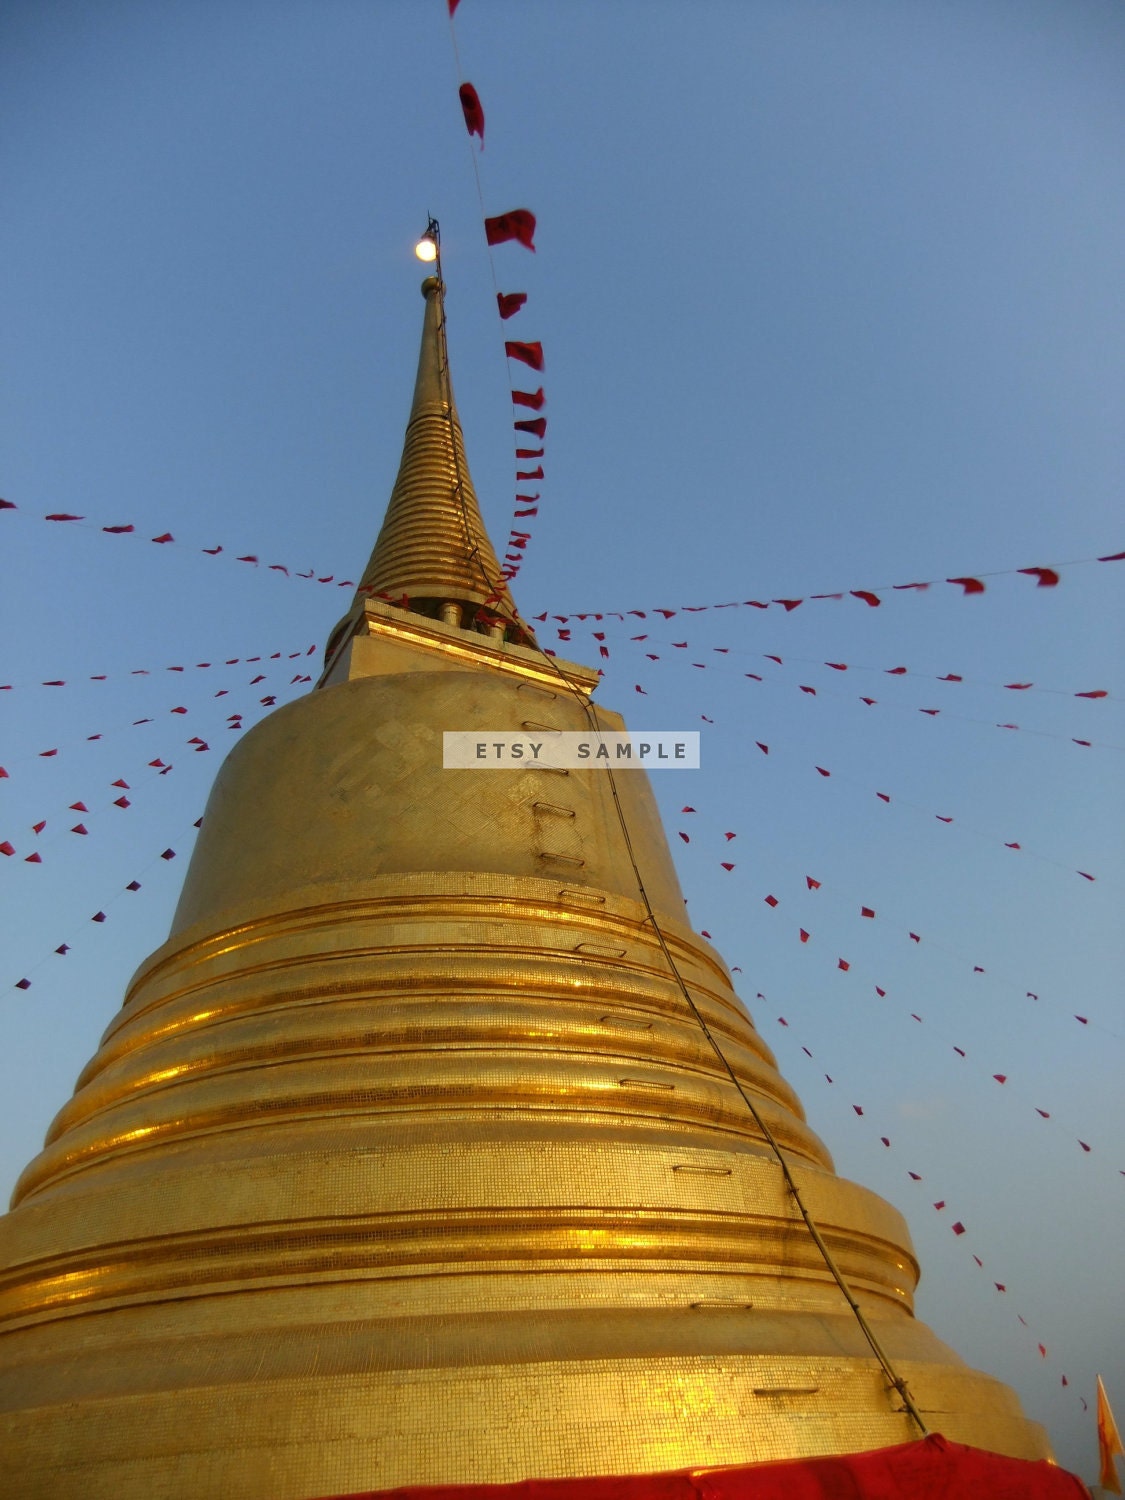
(831, 299)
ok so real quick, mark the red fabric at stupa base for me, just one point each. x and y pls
(932, 1469)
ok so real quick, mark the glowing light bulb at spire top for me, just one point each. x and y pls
(427, 247)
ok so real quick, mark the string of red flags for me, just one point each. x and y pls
(565, 635)
(969, 584)
(127, 788)
(859, 1113)
(102, 915)
(1016, 845)
(1045, 734)
(1097, 694)
(298, 679)
(806, 689)
(1002, 1078)
(871, 912)
(126, 785)
(157, 767)
(230, 661)
(516, 226)
(166, 538)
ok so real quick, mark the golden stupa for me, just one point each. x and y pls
(407, 1159)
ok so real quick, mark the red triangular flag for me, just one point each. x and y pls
(1046, 577)
(473, 111)
(518, 224)
(510, 303)
(535, 399)
(529, 354)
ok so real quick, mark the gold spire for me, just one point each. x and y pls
(433, 548)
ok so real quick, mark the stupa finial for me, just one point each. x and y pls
(433, 550)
